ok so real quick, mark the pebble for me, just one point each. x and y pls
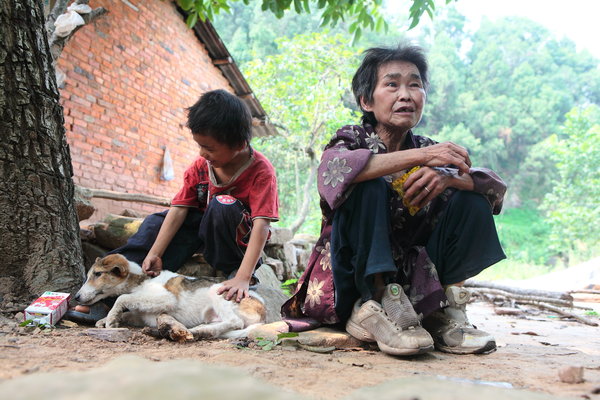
(571, 374)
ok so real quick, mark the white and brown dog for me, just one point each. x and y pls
(190, 301)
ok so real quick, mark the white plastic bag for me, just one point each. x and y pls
(65, 23)
(167, 173)
(80, 8)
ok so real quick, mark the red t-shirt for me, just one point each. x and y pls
(255, 185)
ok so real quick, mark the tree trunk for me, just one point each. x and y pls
(39, 233)
(305, 209)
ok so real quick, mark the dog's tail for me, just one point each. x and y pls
(239, 333)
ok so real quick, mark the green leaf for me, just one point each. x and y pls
(191, 20)
(286, 335)
(186, 4)
(268, 346)
(298, 6)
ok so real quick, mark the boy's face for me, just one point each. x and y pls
(218, 154)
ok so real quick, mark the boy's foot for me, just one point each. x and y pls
(400, 335)
(87, 314)
(451, 330)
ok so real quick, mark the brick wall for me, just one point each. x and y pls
(129, 77)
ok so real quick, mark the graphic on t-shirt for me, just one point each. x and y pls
(202, 189)
(226, 199)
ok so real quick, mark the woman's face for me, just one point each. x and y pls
(398, 97)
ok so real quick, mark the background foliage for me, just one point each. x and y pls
(524, 103)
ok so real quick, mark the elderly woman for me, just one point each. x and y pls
(406, 221)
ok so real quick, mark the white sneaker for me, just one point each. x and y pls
(451, 330)
(371, 323)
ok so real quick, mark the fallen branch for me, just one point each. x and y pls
(526, 298)
(519, 291)
(585, 291)
(492, 295)
(567, 314)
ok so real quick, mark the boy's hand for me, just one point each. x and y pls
(236, 288)
(152, 265)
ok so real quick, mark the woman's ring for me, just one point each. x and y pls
(425, 187)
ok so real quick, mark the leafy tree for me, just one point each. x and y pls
(362, 14)
(509, 94)
(302, 89)
(572, 207)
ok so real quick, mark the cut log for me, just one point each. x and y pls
(115, 230)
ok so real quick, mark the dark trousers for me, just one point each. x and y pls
(221, 233)
(464, 241)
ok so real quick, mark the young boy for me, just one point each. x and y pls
(233, 186)
(226, 204)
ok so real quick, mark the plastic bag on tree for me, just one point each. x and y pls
(167, 173)
(80, 8)
(65, 23)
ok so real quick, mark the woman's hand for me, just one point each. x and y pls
(424, 185)
(152, 265)
(447, 153)
(236, 288)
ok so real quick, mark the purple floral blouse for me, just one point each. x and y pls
(343, 159)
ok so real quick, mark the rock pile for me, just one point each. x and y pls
(285, 254)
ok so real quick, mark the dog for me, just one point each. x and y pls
(144, 301)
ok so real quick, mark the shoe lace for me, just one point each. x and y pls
(396, 327)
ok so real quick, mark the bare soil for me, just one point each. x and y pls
(530, 353)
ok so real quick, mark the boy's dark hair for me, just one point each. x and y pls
(222, 116)
(365, 78)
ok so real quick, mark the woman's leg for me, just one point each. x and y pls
(464, 243)
(360, 245)
(362, 265)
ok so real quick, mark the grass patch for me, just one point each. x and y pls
(525, 236)
(512, 269)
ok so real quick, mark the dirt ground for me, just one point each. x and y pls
(530, 353)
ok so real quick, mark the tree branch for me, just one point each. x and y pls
(57, 44)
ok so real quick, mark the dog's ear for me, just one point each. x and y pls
(97, 259)
(119, 270)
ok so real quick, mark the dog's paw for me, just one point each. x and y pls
(101, 323)
(202, 333)
(170, 328)
(111, 322)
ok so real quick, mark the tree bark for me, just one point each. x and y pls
(39, 233)
(305, 209)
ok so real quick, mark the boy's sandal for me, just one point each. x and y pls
(98, 311)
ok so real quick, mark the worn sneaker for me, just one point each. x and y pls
(451, 330)
(401, 335)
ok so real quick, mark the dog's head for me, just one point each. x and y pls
(106, 278)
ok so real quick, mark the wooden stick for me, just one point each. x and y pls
(520, 297)
(135, 197)
(585, 291)
(526, 292)
(566, 313)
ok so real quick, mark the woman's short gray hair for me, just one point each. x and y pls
(365, 78)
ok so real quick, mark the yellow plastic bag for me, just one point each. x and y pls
(397, 185)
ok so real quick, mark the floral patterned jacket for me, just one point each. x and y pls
(343, 159)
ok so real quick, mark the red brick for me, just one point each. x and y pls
(139, 87)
